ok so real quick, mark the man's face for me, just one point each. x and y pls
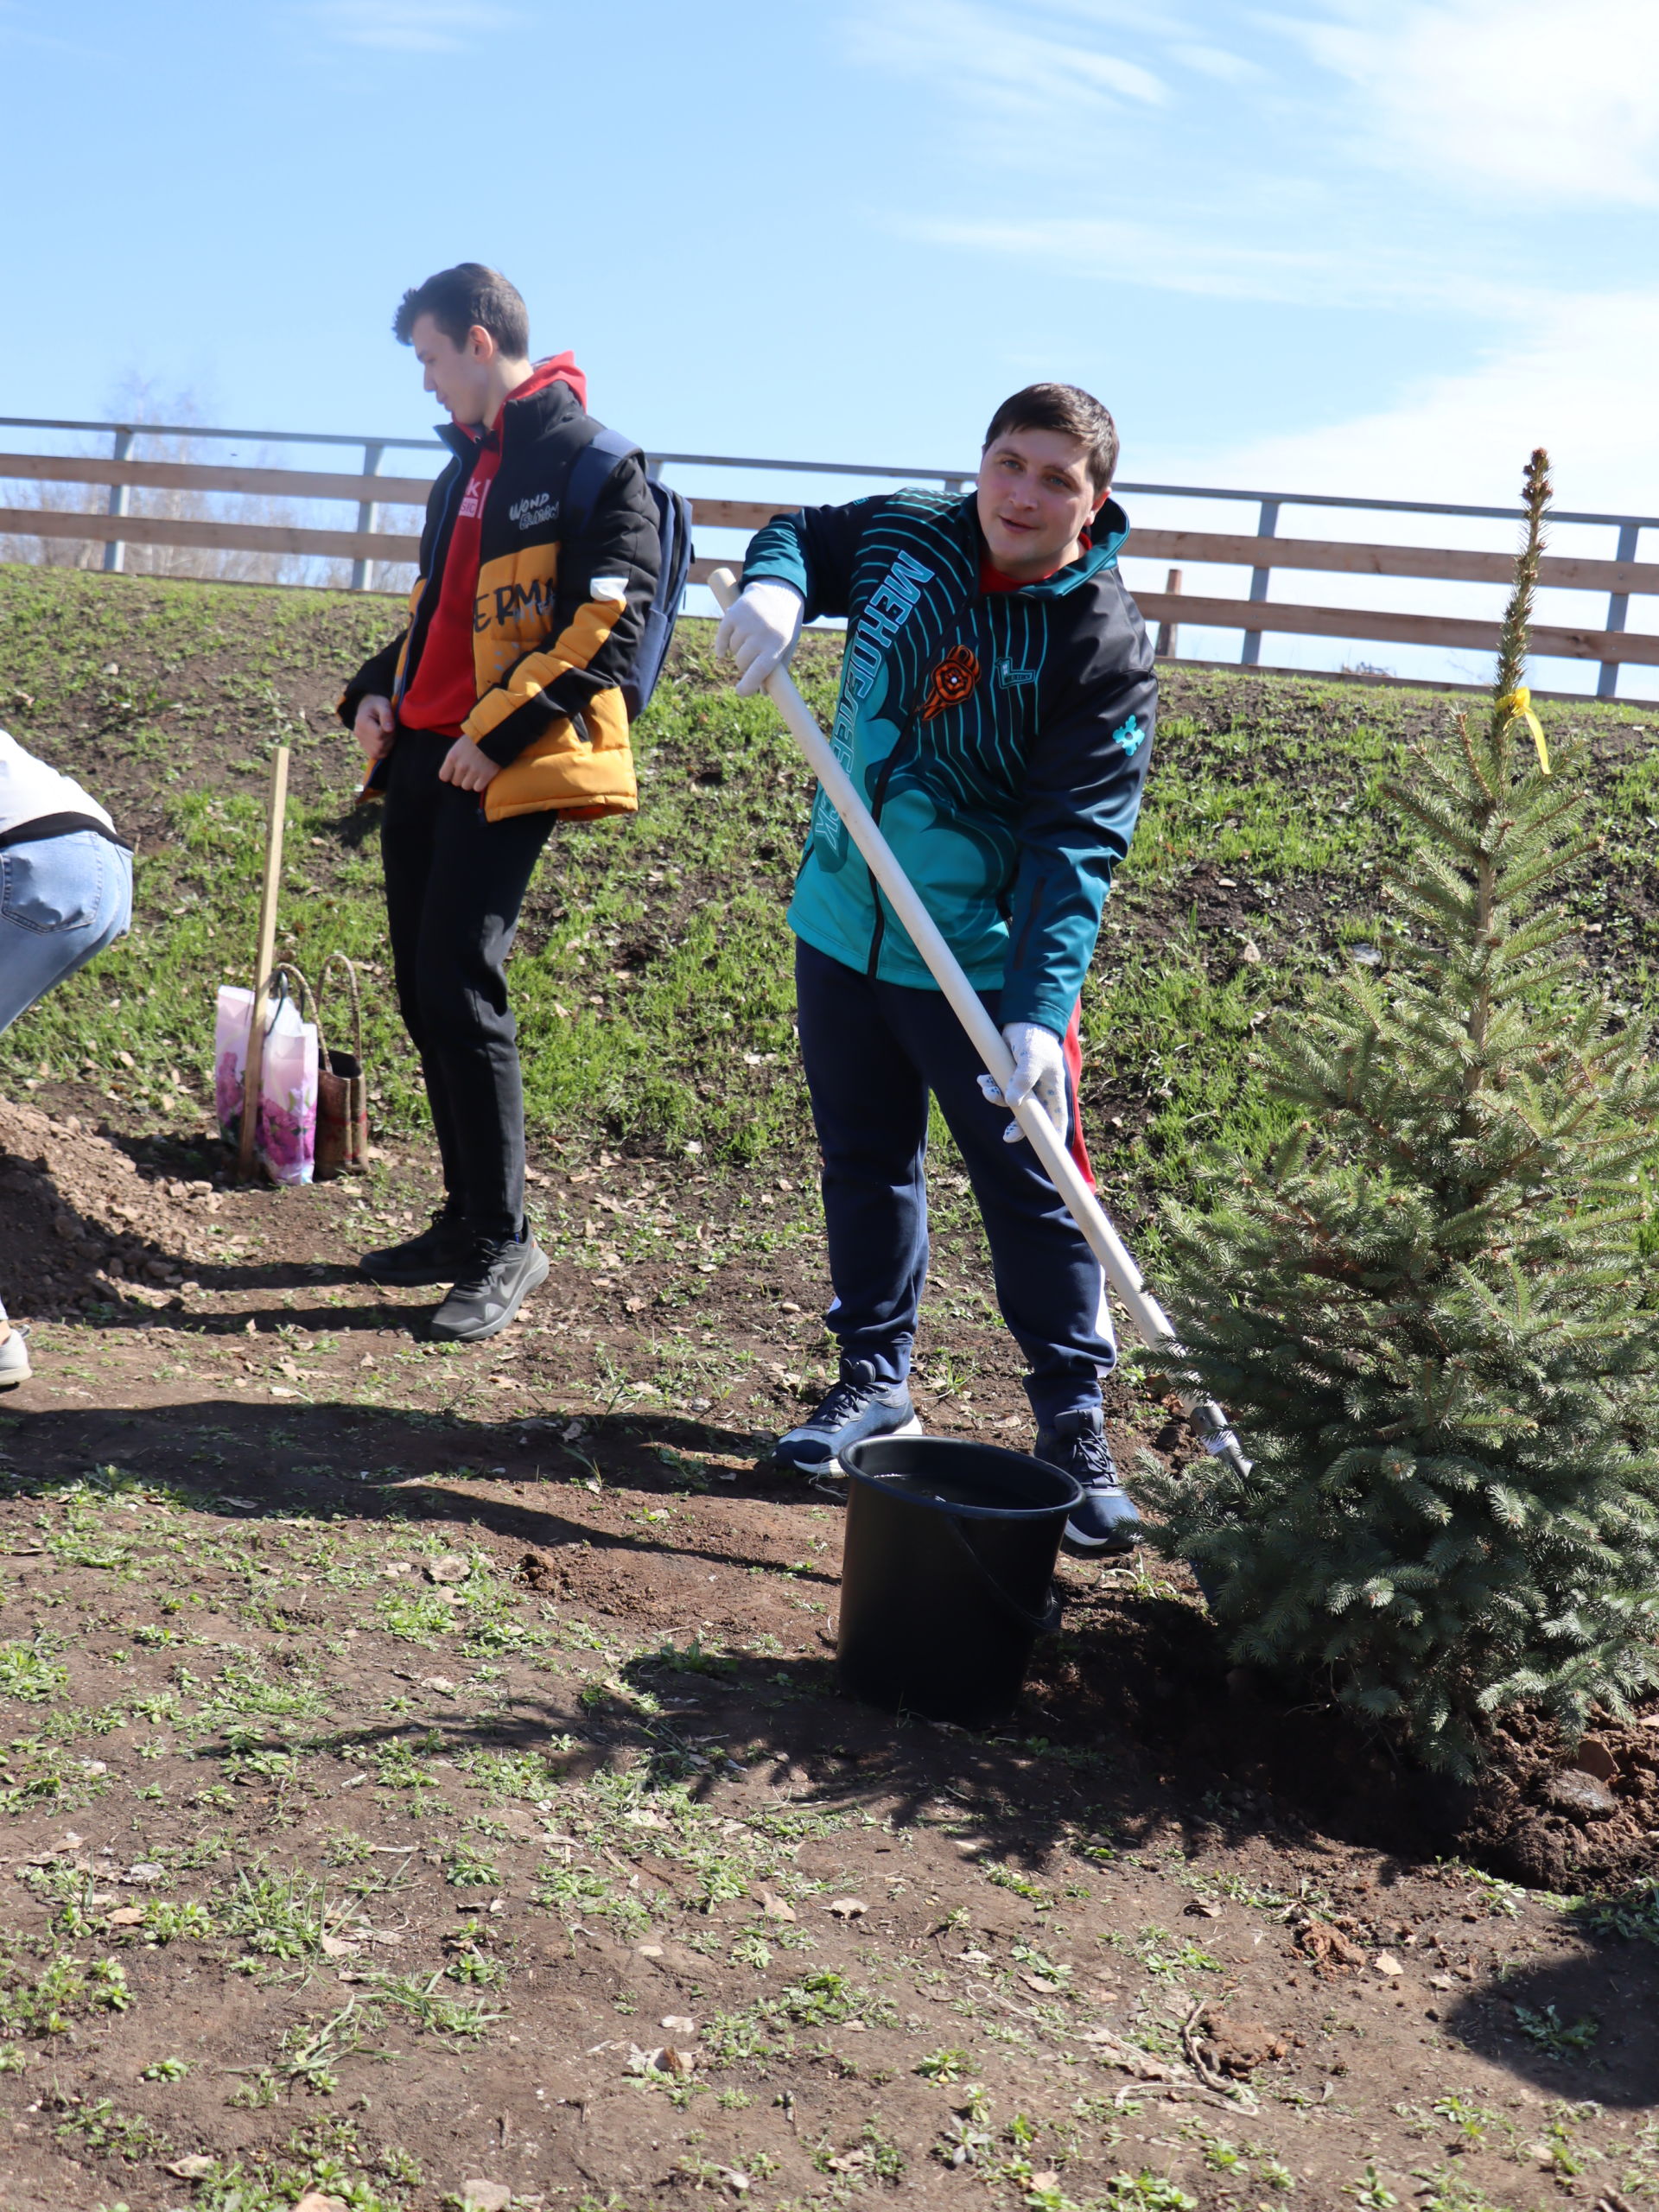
(457, 376)
(1036, 497)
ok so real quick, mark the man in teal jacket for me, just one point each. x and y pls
(996, 705)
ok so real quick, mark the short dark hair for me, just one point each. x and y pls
(459, 297)
(1065, 408)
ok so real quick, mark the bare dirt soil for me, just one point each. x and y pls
(424, 1780)
(426, 1770)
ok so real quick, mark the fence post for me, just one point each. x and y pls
(1267, 526)
(1618, 606)
(368, 511)
(115, 553)
(1169, 636)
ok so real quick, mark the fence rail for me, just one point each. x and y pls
(1262, 552)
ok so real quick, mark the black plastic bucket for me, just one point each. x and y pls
(947, 1576)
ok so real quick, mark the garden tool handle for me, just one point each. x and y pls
(348, 969)
(1147, 1317)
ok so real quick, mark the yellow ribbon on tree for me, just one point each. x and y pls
(1519, 702)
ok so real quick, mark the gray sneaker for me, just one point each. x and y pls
(499, 1276)
(14, 1358)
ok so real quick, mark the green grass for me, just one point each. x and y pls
(652, 977)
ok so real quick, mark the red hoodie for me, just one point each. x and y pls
(445, 688)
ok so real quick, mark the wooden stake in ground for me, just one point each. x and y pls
(1168, 645)
(269, 892)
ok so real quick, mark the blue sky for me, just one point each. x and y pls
(1374, 246)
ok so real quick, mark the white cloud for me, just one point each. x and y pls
(1200, 250)
(1121, 14)
(1467, 160)
(1547, 100)
(1173, 257)
(1015, 69)
(1579, 382)
(413, 26)
(1216, 62)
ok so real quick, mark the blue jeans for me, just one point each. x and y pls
(61, 900)
(872, 1052)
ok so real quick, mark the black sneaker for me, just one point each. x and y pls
(1104, 1521)
(498, 1276)
(434, 1255)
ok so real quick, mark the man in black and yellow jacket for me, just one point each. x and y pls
(496, 711)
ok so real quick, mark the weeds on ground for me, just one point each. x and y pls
(64, 1990)
(106, 2132)
(31, 1671)
(282, 1913)
(1557, 2038)
(1147, 2192)
(1632, 1914)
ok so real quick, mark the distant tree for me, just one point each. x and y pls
(135, 401)
(1425, 1312)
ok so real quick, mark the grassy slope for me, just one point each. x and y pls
(653, 976)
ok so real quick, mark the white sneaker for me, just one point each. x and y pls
(14, 1358)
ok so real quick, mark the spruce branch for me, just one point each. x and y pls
(1512, 638)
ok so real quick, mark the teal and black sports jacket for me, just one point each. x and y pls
(1001, 739)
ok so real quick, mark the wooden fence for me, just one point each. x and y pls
(1264, 552)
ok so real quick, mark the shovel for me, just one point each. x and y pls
(1147, 1318)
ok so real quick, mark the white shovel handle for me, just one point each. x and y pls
(1147, 1317)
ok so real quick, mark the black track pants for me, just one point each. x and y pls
(455, 883)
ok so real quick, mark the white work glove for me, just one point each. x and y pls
(760, 630)
(1039, 1072)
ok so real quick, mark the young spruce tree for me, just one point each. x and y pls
(1424, 1313)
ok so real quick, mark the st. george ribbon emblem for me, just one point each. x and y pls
(951, 682)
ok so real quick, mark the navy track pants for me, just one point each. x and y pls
(872, 1052)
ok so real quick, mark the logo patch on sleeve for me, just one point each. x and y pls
(1130, 736)
(611, 587)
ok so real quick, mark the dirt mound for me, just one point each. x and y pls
(1266, 1754)
(79, 1221)
(1569, 1819)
